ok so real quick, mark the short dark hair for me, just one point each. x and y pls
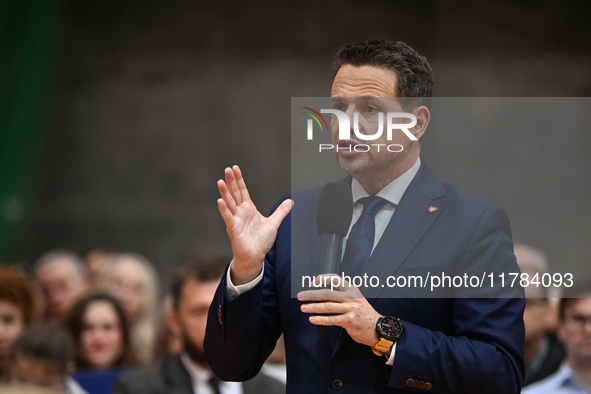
(48, 343)
(581, 289)
(414, 74)
(76, 325)
(204, 269)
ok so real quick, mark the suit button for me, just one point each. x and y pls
(337, 384)
(410, 382)
(428, 386)
(421, 384)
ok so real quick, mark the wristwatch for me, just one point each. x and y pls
(389, 330)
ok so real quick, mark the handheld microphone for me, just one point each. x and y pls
(333, 219)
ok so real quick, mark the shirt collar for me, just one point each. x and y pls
(566, 377)
(394, 190)
(199, 375)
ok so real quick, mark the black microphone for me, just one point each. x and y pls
(333, 218)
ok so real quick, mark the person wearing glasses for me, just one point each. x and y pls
(574, 332)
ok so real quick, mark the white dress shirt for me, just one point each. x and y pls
(392, 193)
(563, 381)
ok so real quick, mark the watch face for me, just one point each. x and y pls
(390, 327)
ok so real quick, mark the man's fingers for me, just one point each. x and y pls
(321, 295)
(331, 320)
(281, 212)
(324, 307)
(233, 185)
(226, 214)
(226, 196)
(241, 185)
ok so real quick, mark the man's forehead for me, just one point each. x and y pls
(58, 266)
(579, 305)
(364, 81)
(364, 99)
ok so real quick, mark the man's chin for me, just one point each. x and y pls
(353, 165)
(196, 354)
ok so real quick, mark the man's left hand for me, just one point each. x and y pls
(347, 308)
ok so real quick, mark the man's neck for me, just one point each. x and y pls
(582, 369)
(373, 182)
(200, 364)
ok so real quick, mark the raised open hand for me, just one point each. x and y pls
(251, 234)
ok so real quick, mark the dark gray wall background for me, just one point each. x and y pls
(153, 99)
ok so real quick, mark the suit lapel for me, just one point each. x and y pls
(176, 376)
(410, 222)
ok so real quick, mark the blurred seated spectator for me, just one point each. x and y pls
(193, 287)
(23, 388)
(131, 280)
(61, 275)
(95, 259)
(543, 353)
(101, 338)
(168, 341)
(43, 356)
(18, 309)
(275, 366)
(97, 324)
(574, 332)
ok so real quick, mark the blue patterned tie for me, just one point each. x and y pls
(361, 237)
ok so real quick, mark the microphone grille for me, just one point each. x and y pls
(335, 209)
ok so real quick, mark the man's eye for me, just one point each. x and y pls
(339, 107)
(370, 109)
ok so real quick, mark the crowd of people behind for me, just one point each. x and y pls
(75, 324)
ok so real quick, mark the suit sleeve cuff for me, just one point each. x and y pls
(232, 292)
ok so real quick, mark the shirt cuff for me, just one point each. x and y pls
(390, 361)
(232, 292)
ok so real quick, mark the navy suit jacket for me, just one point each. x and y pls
(449, 345)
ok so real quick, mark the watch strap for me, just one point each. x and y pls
(383, 346)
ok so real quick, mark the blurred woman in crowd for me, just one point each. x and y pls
(168, 340)
(97, 324)
(18, 308)
(132, 280)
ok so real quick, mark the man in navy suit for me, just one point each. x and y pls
(460, 344)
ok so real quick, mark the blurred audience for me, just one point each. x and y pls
(275, 366)
(131, 279)
(543, 353)
(61, 275)
(95, 259)
(43, 357)
(193, 287)
(574, 332)
(18, 309)
(168, 341)
(99, 329)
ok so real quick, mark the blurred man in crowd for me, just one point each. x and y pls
(43, 357)
(62, 277)
(574, 331)
(95, 260)
(543, 352)
(193, 287)
(18, 309)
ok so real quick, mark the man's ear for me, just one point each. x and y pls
(173, 321)
(560, 332)
(423, 116)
